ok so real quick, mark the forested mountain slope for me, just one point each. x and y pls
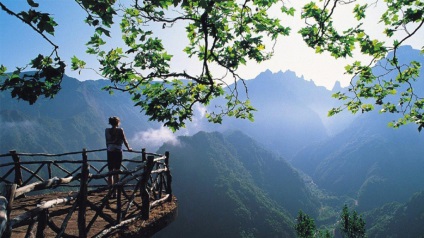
(369, 161)
(229, 186)
(398, 220)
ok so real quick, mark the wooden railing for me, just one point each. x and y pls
(139, 189)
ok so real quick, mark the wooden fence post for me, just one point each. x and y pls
(18, 172)
(82, 198)
(10, 197)
(168, 177)
(118, 204)
(49, 169)
(42, 219)
(143, 154)
(145, 197)
(3, 215)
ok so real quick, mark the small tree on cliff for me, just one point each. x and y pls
(352, 225)
(305, 227)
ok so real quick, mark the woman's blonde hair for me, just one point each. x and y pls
(114, 121)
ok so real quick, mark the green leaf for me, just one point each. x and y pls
(3, 69)
(77, 63)
(101, 30)
(32, 3)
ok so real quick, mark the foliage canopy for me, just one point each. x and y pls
(305, 226)
(226, 34)
(352, 225)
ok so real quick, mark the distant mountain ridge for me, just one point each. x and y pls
(291, 113)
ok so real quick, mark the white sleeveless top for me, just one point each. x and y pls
(114, 138)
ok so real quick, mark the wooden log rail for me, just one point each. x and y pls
(138, 190)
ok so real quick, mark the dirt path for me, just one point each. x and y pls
(158, 219)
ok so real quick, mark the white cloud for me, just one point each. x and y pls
(201, 109)
(152, 139)
(196, 122)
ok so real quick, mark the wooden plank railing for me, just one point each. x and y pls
(150, 180)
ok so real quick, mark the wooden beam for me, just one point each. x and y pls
(66, 220)
(33, 174)
(10, 198)
(168, 188)
(160, 201)
(105, 232)
(103, 215)
(18, 172)
(82, 198)
(3, 215)
(53, 182)
(31, 230)
(42, 218)
(17, 221)
(145, 197)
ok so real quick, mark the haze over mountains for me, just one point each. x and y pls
(244, 179)
(228, 191)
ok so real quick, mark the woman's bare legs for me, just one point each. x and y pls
(110, 180)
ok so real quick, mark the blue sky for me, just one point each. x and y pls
(19, 44)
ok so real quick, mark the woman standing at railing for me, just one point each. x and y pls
(115, 137)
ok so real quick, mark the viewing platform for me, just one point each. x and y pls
(67, 195)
